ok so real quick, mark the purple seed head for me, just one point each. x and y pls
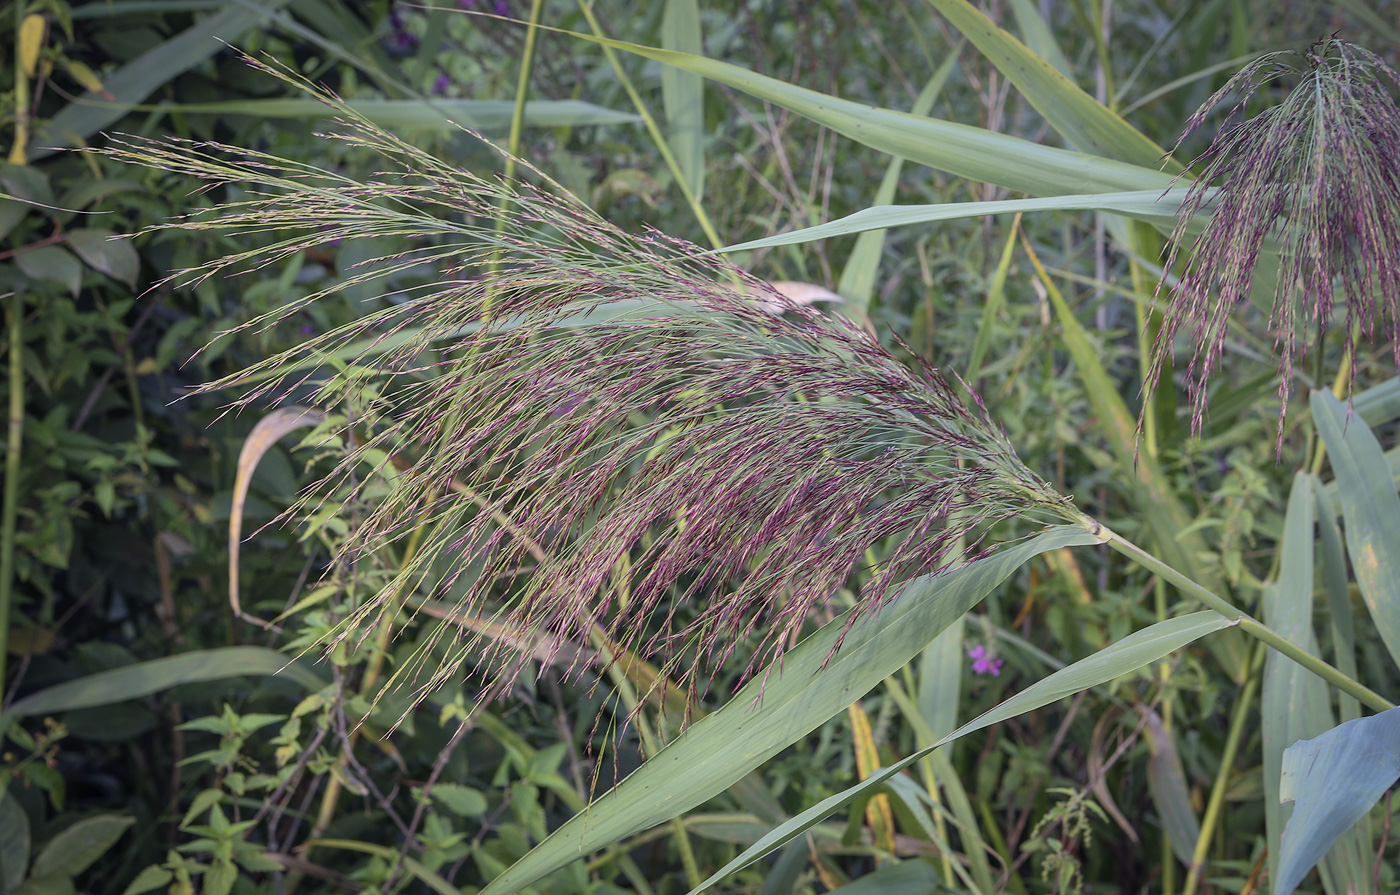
(1313, 181)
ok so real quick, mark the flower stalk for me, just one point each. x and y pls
(1247, 623)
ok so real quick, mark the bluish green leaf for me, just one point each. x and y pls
(1147, 205)
(1333, 780)
(782, 705)
(145, 678)
(1370, 512)
(1295, 702)
(966, 151)
(1129, 654)
(683, 93)
(1334, 581)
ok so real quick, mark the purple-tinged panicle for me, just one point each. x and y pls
(677, 455)
(1316, 179)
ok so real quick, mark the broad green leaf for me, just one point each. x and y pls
(1378, 404)
(1038, 36)
(76, 848)
(52, 263)
(1333, 780)
(683, 93)
(139, 78)
(1083, 121)
(14, 843)
(782, 705)
(1166, 781)
(100, 251)
(1334, 582)
(966, 151)
(1129, 654)
(1370, 512)
(858, 277)
(1153, 206)
(439, 116)
(1295, 702)
(151, 878)
(461, 800)
(145, 678)
(47, 885)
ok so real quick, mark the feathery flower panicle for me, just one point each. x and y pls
(1315, 178)
(624, 417)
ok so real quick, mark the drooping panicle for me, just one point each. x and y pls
(1314, 181)
(610, 437)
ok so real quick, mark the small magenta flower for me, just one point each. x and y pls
(982, 663)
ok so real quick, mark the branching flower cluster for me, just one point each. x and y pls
(1314, 179)
(610, 437)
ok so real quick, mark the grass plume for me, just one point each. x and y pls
(1319, 176)
(676, 454)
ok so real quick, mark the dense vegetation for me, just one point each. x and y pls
(409, 475)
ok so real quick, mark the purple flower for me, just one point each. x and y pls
(982, 663)
(441, 84)
(400, 41)
(502, 8)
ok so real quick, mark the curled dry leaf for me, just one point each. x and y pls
(264, 435)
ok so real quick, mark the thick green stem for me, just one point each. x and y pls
(1248, 623)
(13, 443)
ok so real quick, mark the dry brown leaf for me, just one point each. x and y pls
(264, 435)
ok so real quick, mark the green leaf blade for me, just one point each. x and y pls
(145, 678)
(1370, 512)
(796, 699)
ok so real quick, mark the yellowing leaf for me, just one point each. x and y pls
(88, 79)
(31, 41)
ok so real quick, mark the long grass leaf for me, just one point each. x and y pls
(139, 78)
(1129, 654)
(437, 116)
(1370, 512)
(683, 93)
(145, 678)
(1295, 702)
(1085, 123)
(810, 686)
(966, 151)
(1153, 206)
(857, 284)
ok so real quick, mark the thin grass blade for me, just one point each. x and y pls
(810, 686)
(1129, 654)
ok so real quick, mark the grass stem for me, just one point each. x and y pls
(1248, 623)
(13, 446)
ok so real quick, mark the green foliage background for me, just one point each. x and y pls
(158, 739)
